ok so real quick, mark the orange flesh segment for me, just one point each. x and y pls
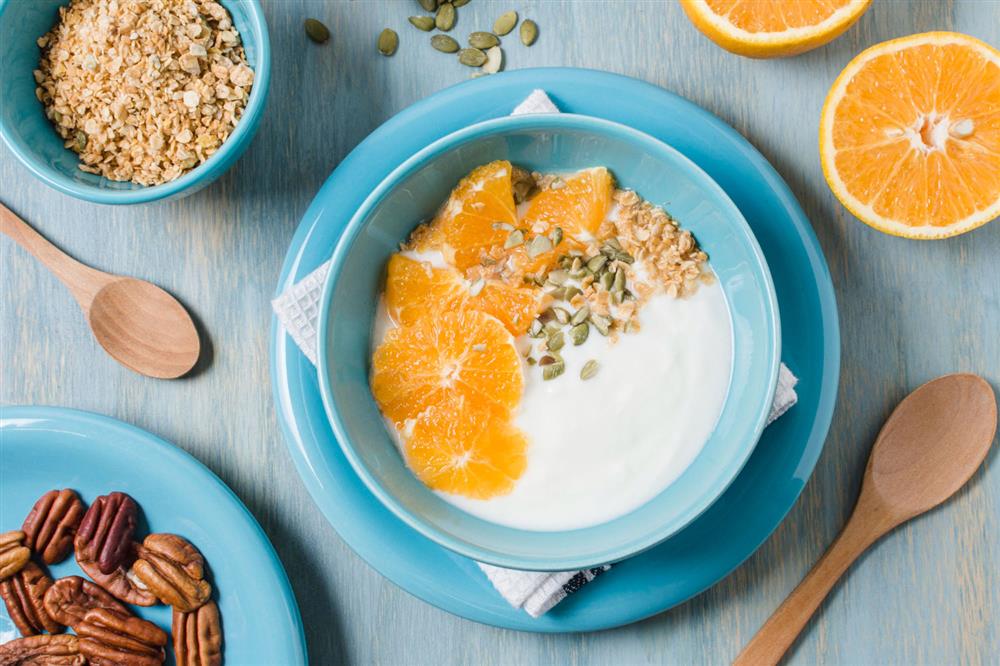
(578, 208)
(775, 15)
(467, 356)
(896, 148)
(465, 451)
(415, 289)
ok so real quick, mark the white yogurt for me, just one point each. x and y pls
(602, 447)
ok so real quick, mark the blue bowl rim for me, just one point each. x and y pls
(147, 194)
(471, 550)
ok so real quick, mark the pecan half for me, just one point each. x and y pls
(107, 637)
(69, 599)
(105, 535)
(13, 553)
(119, 583)
(61, 650)
(23, 593)
(173, 570)
(51, 524)
(198, 636)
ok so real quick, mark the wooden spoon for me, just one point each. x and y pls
(931, 445)
(140, 325)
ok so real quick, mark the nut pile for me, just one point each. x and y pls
(143, 90)
(163, 568)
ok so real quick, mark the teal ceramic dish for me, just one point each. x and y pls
(563, 142)
(31, 137)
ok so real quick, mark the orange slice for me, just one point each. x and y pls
(578, 208)
(465, 355)
(414, 289)
(470, 222)
(910, 135)
(773, 28)
(465, 451)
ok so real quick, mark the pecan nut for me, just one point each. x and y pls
(61, 650)
(119, 583)
(23, 593)
(51, 524)
(69, 599)
(198, 636)
(173, 570)
(13, 553)
(107, 637)
(105, 534)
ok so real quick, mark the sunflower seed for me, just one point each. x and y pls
(428, 5)
(578, 334)
(316, 31)
(539, 245)
(558, 293)
(597, 263)
(589, 369)
(571, 292)
(553, 370)
(471, 57)
(619, 284)
(514, 239)
(444, 44)
(477, 287)
(580, 315)
(529, 32)
(555, 341)
(494, 61)
(556, 236)
(388, 42)
(535, 329)
(444, 19)
(425, 23)
(560, 314)
(483, 40)
(558, 277)
(576, 268)
(606, 280)
(505, 23)
(601, 323)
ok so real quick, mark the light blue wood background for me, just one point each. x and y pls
(929, 594)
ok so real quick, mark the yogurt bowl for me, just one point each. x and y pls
(546, 143)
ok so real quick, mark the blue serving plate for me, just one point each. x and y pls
(756, 502)
(551, 142)
(42, 448)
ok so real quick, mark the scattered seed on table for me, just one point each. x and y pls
(388, 42)
(425, 23)
(529, 32)
(316, 31)
(505, 23)
(445, 17)
(471, 57)
(494, 60)
(428, 5)
(459, 3)
(483, 40)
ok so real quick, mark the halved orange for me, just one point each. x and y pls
(773, 28)
(415, 289)
(471, 221)
(578, 207)
(462, 450)
(465, 355)
(910, 135)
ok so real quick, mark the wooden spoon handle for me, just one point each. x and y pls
(784, 626)
(83, 281)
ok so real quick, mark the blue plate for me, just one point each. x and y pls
(42, 448)
(733, 527)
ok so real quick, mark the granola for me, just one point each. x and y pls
(143, 90)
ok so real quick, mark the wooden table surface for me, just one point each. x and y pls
(928, 594)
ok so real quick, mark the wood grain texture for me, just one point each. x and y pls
(927, 594)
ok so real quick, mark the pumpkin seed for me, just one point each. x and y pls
(552, 328)
(80, 140)
(558, 277)
(494, 62)
(578, 334)
(557, 184)
(316, 31)
(546, 360)
(555, 341)
(589, 369)
(618, 296)
(471, 57)
(444, 44)
(539, 244)
(624, 257)
(388, 42)
(553, 370)
(477, 287)
(483, 40)
(606, 281)
(560, 314)
(444, 19)
(580, 315)
(556, 236)
(505, 23)
(576, 268)
(531, 360)
(459, 3)
(428, 5)
(514, 239)
(619, 284)
(571, 292)
(425, 23)
(558, 294)
(601, 323)
(613, 242)
(597, 263)
(535, 329)
(529, 32)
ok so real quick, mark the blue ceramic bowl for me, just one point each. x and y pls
(551, 142)
(31, 137)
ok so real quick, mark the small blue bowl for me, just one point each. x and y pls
(31, 137)
(551, 142)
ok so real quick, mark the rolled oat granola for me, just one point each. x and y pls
(143, 90)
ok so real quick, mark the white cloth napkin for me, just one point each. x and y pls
(533, 591)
